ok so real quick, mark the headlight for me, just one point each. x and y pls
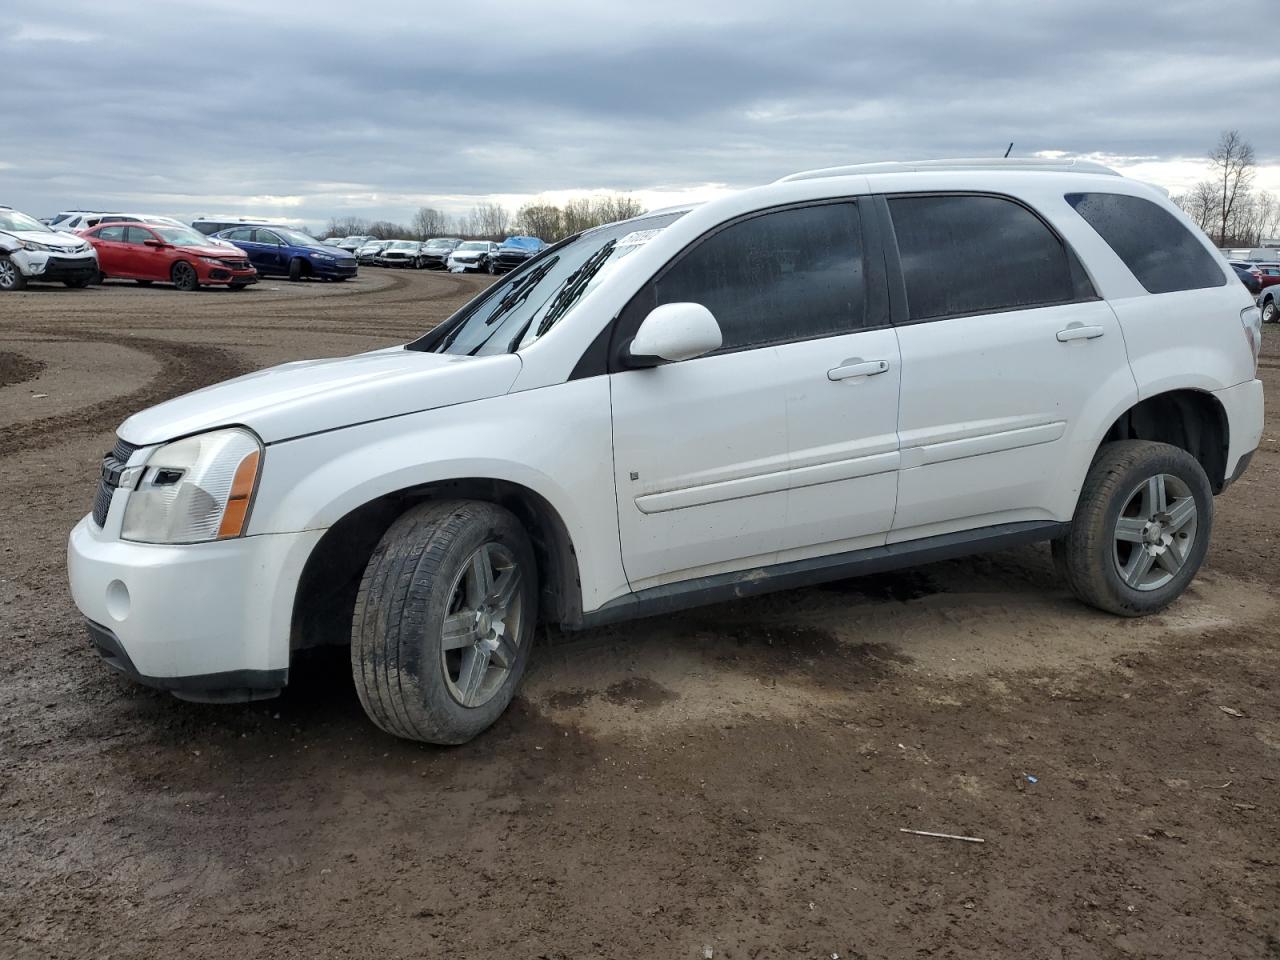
(195, 489)
(214, 260)
(317, 255)
(32, 245)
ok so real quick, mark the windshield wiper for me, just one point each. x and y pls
(574, 286)
(510, 300)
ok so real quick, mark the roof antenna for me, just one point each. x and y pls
(1010, 150)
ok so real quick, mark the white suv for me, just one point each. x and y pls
(31, 251)
(845, 371)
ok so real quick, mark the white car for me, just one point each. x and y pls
(472, 255)
(849, 370)
(29, 250)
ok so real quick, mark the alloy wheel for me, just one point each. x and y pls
(481, 633)
(8, 274)
(1155, 532)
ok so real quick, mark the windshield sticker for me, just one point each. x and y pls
(638, 238)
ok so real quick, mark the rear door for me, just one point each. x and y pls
(783, 442)
(112, 255)
(1006, 351)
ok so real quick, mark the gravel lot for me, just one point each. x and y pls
(735, 777)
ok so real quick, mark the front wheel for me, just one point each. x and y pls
(295, 269)
(11, 277)
(1140, 530)
(184, 277)
(1270, 313)
(444, 621)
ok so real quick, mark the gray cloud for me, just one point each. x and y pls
(345, 107)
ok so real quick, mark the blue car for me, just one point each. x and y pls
(514, 251)
(281, 252)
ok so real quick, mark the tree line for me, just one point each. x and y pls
(493, 221)
(1225, 206)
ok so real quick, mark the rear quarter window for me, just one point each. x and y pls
(1159, 251)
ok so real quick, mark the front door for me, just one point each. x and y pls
(146, 262)
(782, 443)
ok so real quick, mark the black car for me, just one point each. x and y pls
(1248, 278)
(514, 251)
(435, 253)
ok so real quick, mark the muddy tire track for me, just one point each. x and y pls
(18, 368)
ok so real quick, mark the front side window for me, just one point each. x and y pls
(266, 236)
(1159, 251)
(781, 276)
(966, 254)
(137, 235)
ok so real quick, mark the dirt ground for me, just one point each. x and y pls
(733, 778)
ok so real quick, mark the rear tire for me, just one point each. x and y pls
(11, 278)
(184, 277)
(1140, 530)
(295, 269)
(1270, 313)
(427, 610)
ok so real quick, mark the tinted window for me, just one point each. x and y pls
(137, 235)
(968, 254)
(115, 234)
(266, 236)
(1163, 254)
(243, 234)
(788, 275)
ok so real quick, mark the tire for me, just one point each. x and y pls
(417, 263)
(80, 283)
(1270, 312)
(144, 283)
(1140, 530)
(11, 278)
(491, 268)
(295, 269)
(423, 572)
(184, 277)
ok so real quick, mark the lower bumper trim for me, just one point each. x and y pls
(231, 686)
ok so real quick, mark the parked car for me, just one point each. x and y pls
(851, 370)
(1250, 277)
(72, 221)
(402, 253)
(30, 250)
(1269, 274)
(514, 251)
(211, 225)
(369, 251)
(280, 252)
(473, 255)
(149, 253)
(1269, 303)
(354, 243)
(435, 252)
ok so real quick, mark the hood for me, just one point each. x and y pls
(60, 241)
(311, 396)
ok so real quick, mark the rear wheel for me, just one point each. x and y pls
(1270, 313)
(1140, 530)
(444, 621)
(297, 269)
(11, 277)
(184, 277)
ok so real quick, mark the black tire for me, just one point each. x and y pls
(398, 660)
(80, 283)
(144, 283)
(491, 268)
(1270, 311)
(296, 268)
(11, 278)
(1088, 557)
(417, 263)
(184, 277)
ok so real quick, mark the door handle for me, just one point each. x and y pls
(1078, 331)
(857, 367)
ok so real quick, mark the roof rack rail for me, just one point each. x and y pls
(980, 163)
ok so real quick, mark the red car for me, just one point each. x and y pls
(178, 255)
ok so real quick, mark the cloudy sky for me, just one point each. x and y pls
(306, 110)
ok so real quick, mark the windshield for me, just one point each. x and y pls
(181, 236)
(403, 245)
(524, 243)
(297, 238)
(515, 312)
(474, 245)
(442, 243)
(13, 220)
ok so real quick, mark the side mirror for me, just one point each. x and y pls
(674, 331)
(158, 244)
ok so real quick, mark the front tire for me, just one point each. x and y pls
(1270, 313)
(184, 277)
(444, 621)
(1140, 530)
(295, 269)
(11, 278)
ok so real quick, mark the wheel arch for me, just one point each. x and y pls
(324, 600)
(1193, 420)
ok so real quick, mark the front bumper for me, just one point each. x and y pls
(506, 261)
(454, 263)
(334, 268)
(395, 261)
(209, 620)
(435, 260)
(54, 267)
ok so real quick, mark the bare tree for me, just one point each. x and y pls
(1233, 163)
(543, 220)
(1200, 203)
(429, 222)
(386, 230)
(490, 220)
(346, 227)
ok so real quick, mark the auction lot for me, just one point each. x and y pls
(735, 777)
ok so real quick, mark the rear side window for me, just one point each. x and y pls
(787, 275)
(1163, 254)
(115, 234)
(979, 254)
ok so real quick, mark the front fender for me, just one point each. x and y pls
(556, 441)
